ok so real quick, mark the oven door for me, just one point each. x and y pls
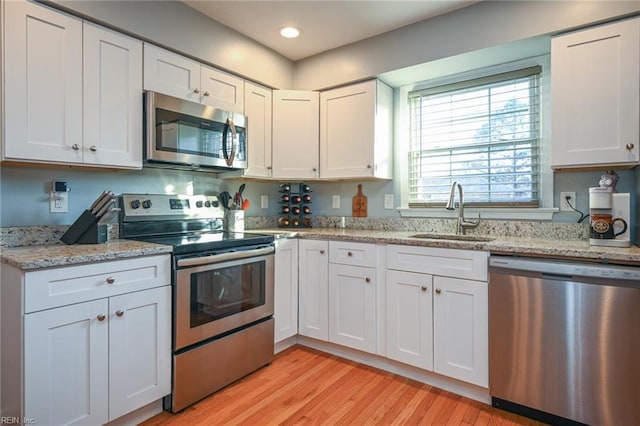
(222, 292)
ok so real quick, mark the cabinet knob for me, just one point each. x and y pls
(368, 166)
(111, 280)
(75, 147)
(315, 170)
(196, 90)
(205, 93)
(101, 317)
(93, 148)
(321, 251)
(268, 167)
(630, 146)
(423, 288)
(349, 254)
(119, 312)
(367, 280)
(438, 291)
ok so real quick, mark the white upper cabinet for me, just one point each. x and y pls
(356, 131)
(43, 84)
(176, 75)
(295, 134)
(257, 107)
(50, 59)
(112, 105)
(595, 96)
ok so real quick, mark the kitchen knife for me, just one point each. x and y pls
(99, 202)
(103, 202)
(106, 207)
(109, 216)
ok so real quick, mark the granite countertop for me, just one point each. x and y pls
(47, 256)
(552, 248)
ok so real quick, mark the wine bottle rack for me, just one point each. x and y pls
(295, 205)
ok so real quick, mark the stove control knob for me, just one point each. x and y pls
(198, 204)
(135, 204)
(215, 204)
(146, 204)
(207, 203)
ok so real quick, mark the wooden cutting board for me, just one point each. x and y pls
(359, 204)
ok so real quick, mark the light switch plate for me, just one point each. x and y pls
(388, 201)
(335, 201)
(264, 201)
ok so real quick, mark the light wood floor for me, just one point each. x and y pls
(305, 386)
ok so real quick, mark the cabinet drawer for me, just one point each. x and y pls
(348, 253)
(454, 263)
(49, 288)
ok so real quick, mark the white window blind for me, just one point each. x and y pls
(482, 133)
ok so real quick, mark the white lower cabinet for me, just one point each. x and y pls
(285, 309)
(410, 318)
(352, 306)
(313, 295)
(435, 322)
(96, 342)
(460, 330)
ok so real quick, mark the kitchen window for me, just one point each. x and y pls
(483, 133)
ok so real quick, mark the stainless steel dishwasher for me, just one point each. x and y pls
(564, 340)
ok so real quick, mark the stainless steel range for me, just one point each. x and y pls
(222, 290)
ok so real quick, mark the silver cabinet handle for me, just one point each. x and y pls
(93, 148)
(367, 280)
(321, 251)
(111, 280)
(119, 312)
(438, 291)
(101, 317)
(205, 93)
(75, 147)
(630, 146)
(423, 288)
(196, 90)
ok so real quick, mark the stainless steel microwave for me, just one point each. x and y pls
(184, 133)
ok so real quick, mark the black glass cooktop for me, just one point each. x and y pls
(207, 242)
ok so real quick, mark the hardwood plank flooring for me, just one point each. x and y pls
(305, 386)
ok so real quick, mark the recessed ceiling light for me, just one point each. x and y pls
(290, 32)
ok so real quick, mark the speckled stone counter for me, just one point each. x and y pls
(539, 247)
(47, 256)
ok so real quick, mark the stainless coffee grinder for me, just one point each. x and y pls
(609, 217)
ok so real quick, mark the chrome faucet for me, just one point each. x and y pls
(463, 224)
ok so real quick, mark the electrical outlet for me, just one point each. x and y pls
(388, 201)
(335, 201)
(564, 205)
(264, 201)
(58, 202)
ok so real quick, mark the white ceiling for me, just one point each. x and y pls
(325, 24)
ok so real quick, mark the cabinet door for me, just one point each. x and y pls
(66, 364)
(43, 84)
(313, 287)
(139, 349)
(285, 310)
(595, 89)
(409, 318)
(460, 329)
(221, 90)
(172, 74)
(257, 107)
(112, 98)
(295, 134)
(352, 306)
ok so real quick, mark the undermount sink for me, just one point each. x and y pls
(453, 237)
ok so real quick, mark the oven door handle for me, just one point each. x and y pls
(222, 257)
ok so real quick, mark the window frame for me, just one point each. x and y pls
(545, 208)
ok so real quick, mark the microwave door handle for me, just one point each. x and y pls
(229, 125)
